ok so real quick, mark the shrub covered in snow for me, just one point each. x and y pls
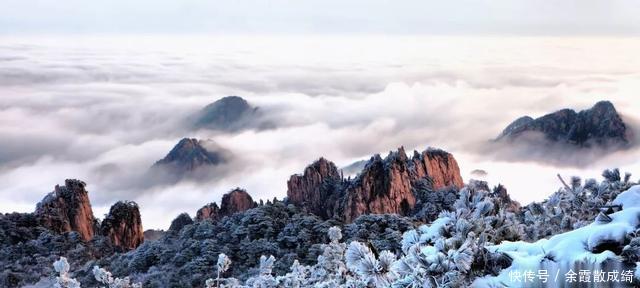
(64, 280)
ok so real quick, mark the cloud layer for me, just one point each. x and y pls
(105, 109)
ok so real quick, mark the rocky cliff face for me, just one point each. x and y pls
(439, 166)
(237, 200)
(210, 211)
(383, 186)
(316, 189)
(67, 209)
(123, 225)
(601, 125)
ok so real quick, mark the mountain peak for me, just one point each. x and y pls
(67, 209)
(190, 154)
(123, 225)
(384, 185)
(600, 125)
(227, 113)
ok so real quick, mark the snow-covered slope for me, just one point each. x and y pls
(582, 255)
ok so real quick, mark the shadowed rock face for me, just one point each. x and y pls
(237, 200)
(228, 113)
(383, 186)
(601, 125)
(123, 225)
(190, 154)
(317, 188)
(68, 209)
(210, 211)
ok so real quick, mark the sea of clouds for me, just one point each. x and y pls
(104, 109)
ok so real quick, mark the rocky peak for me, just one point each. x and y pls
(600, 125)
(190, 158)
(190, 154)
(227, 113)
(383, 186)
(316, 188)
(236, 200)
(67, 209)
(123, 225)
(517, 125)
(440, 166)
(210, 211)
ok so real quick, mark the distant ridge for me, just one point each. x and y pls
(600, 125)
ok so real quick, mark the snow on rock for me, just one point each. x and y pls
(587, 248)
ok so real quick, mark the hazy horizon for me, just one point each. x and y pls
(328, 17)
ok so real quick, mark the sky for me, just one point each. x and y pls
(464, 17)
(101, 91)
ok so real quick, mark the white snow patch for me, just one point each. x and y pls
(570, 250)
(629, 198)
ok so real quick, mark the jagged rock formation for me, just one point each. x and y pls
(210, 211)
(68, 209)
(237, 200)
(601, 126)
(439, 166)
(190, 154)
(318, 189)
(228, 113)
(383, 186)
(123, 225)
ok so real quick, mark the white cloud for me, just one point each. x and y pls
(104, 109)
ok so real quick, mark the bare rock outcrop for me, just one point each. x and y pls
(68, 209)
(237, 200)
(439, 166)
(384, 186)
(316, 189)
(210, 211)
(123, 225)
